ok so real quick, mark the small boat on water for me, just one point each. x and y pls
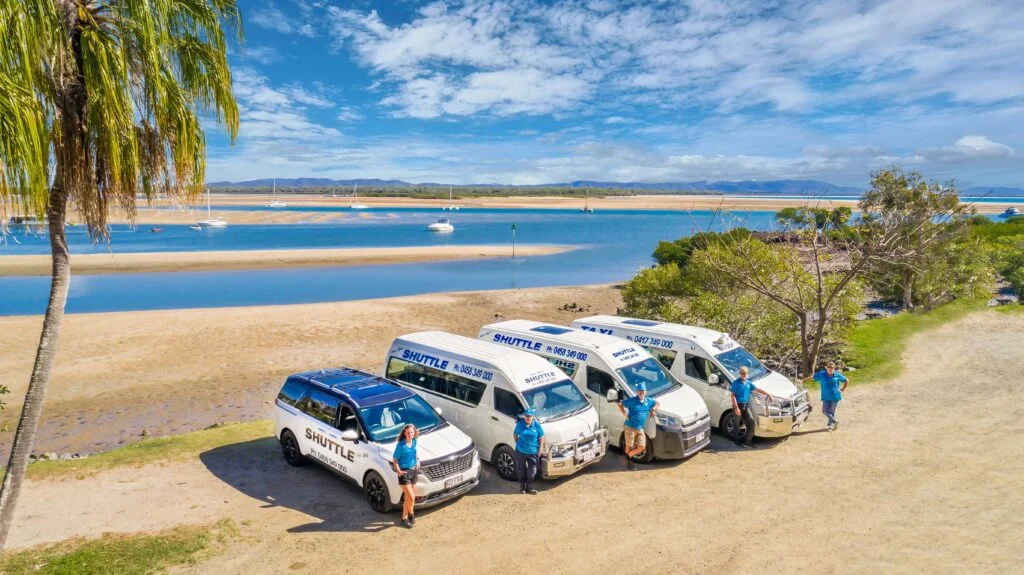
(210, 221)
(276, 203)
(450, 207)
(356, 205)
(1010, 212)
(441, 225)
(586, 209)
(156, 230)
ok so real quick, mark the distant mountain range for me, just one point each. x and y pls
(772, 187)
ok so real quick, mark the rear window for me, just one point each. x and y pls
(292, 392)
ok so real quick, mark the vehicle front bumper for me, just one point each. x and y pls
(430, 493)
(586, 452)
(680, 443)
(781, 425)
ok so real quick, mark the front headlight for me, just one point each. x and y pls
(667, 420)
(561, 450)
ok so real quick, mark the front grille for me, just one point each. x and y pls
(440, 470)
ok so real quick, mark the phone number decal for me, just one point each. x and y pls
(652, 341)
(567, 353)
(472, 371)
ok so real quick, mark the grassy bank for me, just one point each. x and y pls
(159, 449)
(120, 554)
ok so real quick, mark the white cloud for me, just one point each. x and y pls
(261, 54)
(349, 114)
(968, 149)
(273, 18)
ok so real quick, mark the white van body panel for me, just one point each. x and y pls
(703, 342)
(507, 369)
(608, 354)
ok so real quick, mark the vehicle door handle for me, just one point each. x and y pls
(494, 418)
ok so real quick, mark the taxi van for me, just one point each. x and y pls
(349, 421)
(608, 369)
(709, 361)
(484, 388)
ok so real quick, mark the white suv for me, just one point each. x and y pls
(349, 421)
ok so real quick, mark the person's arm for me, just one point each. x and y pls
(735, 406)
(654, 408)
(622, 410)
(764, 393)
(398, 470)
(845, 382)
(540, 439)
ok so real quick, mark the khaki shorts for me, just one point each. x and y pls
(635, 438)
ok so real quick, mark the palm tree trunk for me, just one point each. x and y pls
(25, 435)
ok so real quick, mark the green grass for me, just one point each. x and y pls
(876, 346)
(119, 554)
(173, 448)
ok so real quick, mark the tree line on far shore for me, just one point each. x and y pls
(458, 193)
(792, 294)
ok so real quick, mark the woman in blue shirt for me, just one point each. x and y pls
(407, 464)
(529, 436)
(833, 384)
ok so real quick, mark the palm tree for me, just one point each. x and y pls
(101, 100)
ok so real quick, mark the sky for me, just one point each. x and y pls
(526, 92)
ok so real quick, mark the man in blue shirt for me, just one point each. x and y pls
(636, 410)
(741, 389)
(529, 436)
(833, 384)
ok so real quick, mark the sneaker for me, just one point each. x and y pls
(531, 491)
(412, 520)
(830, 427)
(522, 491)
(406, 524)
(630, 465)
(835, 426)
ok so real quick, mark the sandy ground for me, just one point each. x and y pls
(260, 259)
(922, 477)
(166, 372)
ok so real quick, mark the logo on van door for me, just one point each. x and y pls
(330, 445)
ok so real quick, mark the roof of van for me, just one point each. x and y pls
(523, 367)
(701, 335)
(361, 388)
(569, 335)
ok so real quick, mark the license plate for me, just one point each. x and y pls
(589, 455)
(452, 482)
(701, 437)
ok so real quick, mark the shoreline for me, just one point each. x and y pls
(148, 262)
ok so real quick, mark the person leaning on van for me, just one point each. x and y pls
(636, 410)
(529, 436)
(741, 389)
(407, 464)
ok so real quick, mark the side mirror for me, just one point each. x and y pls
(713, 379)
(350, 435)
(612, 395)
(438, 410)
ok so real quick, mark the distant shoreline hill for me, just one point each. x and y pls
(758, 187)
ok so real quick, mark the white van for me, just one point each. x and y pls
(349, 422)
(483, 388)
(607, 369)
(709, 361)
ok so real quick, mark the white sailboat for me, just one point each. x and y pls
(443, 225)
(275, 203)
(586, 209)
(210, 221)
(450, 207)
(356, 205)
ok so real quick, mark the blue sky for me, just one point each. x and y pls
(523, 92)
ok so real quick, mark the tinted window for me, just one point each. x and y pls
(506, 402)
(700, 368)
(436, 381)
(664, 356)
(322, 406)
(348, 419)
(599, 381)
(385, 422)
(567, 366)
(292, 392)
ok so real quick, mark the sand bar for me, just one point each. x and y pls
(119, 263)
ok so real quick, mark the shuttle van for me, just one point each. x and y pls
(349, 422)
(608, 368)
(709, 361)
(484, 388)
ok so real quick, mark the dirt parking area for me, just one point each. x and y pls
(922, 476)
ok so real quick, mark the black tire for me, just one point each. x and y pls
(733, 426)
(377, 493)
(290, 449)
(504, 461)
(648, 454)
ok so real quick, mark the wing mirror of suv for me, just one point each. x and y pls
(713, 379)
(612, 395)
(350, 435)
(438, 410)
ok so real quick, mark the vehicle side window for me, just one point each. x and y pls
(436, 381)
(697, 367)
(599, 381)
(507, 403)
(348, 419)
(322, 406)
(666, 356)
(292, 392)
(567, 366)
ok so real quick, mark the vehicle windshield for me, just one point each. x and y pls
(385, 422)
(651, 373)
(557, 400)
(734, 359)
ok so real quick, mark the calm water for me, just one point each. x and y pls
(614, 245)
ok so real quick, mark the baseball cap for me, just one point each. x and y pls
(641, 387)
(530, 411)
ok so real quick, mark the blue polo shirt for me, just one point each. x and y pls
(405, 455)
(528, 437)
(830, 385)
(638, 411)
(742, 388)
